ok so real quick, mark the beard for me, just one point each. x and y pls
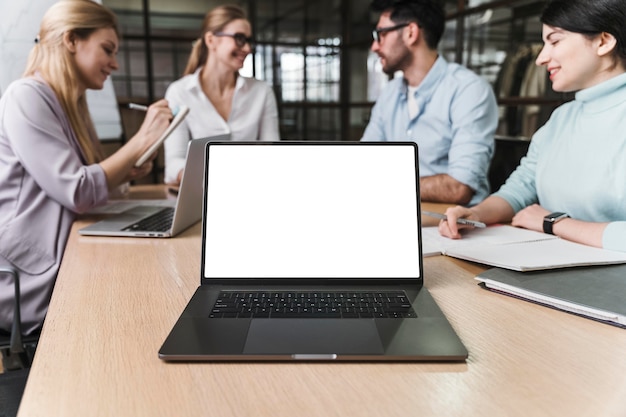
(397, 59)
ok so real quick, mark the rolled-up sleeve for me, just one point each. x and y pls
(474, 120)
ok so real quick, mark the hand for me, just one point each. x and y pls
(530, 217)
(141, 171)
(157, 119)
(449, 227)
(120, 167)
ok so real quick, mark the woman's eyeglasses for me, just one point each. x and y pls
(240, 39)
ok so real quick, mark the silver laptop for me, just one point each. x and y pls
(311, 251)
(162, 218)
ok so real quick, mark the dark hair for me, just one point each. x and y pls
(590, 18)
(428, 14)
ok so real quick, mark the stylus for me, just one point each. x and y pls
(135, 106)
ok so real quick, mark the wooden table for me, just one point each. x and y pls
(116, 299)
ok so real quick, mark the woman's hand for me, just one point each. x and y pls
(530, 217)
(142, 171)
(120, 167)
(449, 227)
(157, 119)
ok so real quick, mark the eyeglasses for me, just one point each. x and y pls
(240, 39)
(376, 33)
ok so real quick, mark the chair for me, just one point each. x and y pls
(17, 350)
(508, 153)
(17, 355)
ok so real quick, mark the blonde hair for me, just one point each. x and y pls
(53, 61)
(214, 21)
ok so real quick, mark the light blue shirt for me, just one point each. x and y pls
(454, 127)
(576, 162)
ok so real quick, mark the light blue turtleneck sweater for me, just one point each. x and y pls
(576, 162)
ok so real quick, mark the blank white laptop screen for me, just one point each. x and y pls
(311, 211)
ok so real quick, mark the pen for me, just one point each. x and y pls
(136, 106)
(458, 221)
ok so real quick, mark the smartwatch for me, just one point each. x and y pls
(552, 218)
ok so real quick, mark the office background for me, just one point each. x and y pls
(314, 54)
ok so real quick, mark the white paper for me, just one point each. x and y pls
(517, 249)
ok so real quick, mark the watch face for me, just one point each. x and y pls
(555, 216)
(552, 218)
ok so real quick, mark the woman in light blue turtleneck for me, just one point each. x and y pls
(572, 182)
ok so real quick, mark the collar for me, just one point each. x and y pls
(604, 95)
(194, 82)
(429, 84)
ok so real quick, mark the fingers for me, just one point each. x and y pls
(157, 119)
(160, 110)
(445, 230)
(141, 171)
(160, 105)
(449, 227)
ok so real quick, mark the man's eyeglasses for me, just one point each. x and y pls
(240, 38)
(376, 33)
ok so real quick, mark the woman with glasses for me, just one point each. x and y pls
(220, 100)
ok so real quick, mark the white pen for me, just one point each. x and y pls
(141, 107)
(136, 106)
(458, 221)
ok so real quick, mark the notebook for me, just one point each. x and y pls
(595, 292)
(311, 251)
(181, 113)
(162, 218)
(517, 249)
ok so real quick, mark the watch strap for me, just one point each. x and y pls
(551, 219)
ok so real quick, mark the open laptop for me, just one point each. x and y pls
(312, 251)
(162, 218)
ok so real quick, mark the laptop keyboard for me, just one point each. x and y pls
(161, 221)
(312, 305)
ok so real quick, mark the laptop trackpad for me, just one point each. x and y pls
(313, 336)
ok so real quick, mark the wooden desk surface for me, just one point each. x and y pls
(116, 299)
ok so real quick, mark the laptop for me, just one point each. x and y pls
(163, 218)
(312, 251)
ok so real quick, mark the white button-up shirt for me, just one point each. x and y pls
(253, 116)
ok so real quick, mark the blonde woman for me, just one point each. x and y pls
(221, 100)
(51, 165)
